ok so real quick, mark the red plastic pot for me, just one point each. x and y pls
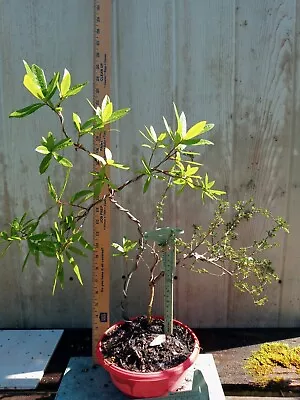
(148, 384)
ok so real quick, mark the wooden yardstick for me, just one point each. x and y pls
(101, 216)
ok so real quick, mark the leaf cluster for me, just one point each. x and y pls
(172, 157)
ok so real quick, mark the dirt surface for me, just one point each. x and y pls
(229, 347)
(142, 347)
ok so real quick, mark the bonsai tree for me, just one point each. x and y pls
(172, 157)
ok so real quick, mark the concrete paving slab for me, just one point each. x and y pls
(230, 364)
(24, 355)
(83, 381)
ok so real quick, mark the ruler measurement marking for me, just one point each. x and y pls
(101, 216)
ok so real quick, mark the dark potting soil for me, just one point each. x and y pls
(128, 346)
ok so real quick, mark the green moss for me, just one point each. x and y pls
(272, 358)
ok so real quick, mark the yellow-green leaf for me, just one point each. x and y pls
(77, 121)
(26, 111)
(75, 267)
(98, 158)
(108, 154)
(195, 130)
(32, 87)
(65, 83)
(42, 150)
(107, 112)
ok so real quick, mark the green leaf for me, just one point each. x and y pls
(208, 127)
(77, 121)
(152, 133)
(218, 192)
(65, 83)
(45, 163)
(37, 258)
(98, 158)
(210, 184)
(50, 141)
(182, 124)
(28, 69)
(197, 142)
(40, 78)
(62, 160)
(23, 218)
(47, 248)
(80, 194)
(129, 244)
(77, 251)
(65, 183)
(23, 112)
(98, 185)
(90, 123)
(118, 114)
(38, 236)
(120, 166)
(59, 275)
(75, 89)
(42, 150)
(195, 130)
(25, 261)
(190, 171)
(107, 112)
(32, 87)
(52, 87)
(179, 124)
(4, 235)
(105, 101)
(149, 140)
(118, 247)
(85, 244)
(91, 104)
(161, 137)
(75, 267)
(60, 211)
(146, 185)
(147, 168)
(167, 125)
(108, 154)
(51, 189)
(77, 272)
(62, 144)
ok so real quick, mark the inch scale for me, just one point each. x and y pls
(165, 238)
(101, 216)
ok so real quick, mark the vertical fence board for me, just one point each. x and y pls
(143, 81)
(263, 110)
(232, 63)
(204, 82)
(47, 34)
(290, 301)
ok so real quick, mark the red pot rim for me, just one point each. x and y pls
(127, 373)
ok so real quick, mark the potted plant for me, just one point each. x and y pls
(172, 159)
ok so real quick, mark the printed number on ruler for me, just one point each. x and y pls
(101, 218)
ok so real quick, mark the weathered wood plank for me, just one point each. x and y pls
(47, 34)
(142, 80)
(205, 77)
(290, 301)
(263, 103)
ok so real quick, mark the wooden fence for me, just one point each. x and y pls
(231, 62)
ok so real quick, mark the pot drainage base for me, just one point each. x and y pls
(82, 380)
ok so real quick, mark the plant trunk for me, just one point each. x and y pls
(150, 305)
